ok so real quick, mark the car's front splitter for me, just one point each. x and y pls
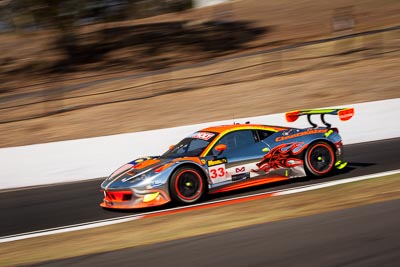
(129, 199)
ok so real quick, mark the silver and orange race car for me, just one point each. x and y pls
(223, 158)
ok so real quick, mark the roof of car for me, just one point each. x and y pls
(233, 127)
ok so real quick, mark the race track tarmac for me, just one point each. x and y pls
(365, 236)
(60, 205)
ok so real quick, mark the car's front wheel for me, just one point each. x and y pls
(187, 185)
(319, 159)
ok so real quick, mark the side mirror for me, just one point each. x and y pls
(171, 147)
(220, 148)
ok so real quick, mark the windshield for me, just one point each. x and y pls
(191, 146)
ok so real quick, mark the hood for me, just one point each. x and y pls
(134, 172)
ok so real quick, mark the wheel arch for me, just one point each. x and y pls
(320, 140)
(200, 189)
(201, 170)
(329, 142)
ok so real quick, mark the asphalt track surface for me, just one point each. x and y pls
(60, 205)
(365, 236)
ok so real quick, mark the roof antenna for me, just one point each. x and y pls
(233, 118)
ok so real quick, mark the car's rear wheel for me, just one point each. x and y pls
(319, 159)
(187, 185)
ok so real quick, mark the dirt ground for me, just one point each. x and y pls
(335, 73)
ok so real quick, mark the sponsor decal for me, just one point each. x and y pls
(214, 162)
(241, 176)
(202, 135)
(282, 156)
(311, 131)
(217, 173)
(240, 169)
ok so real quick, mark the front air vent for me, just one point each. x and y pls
(118, 196)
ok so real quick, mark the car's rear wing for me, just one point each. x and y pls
(343, 113)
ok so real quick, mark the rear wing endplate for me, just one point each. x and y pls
(343, 113)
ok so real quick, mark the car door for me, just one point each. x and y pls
(238, 161)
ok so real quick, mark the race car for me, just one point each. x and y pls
(228, 157)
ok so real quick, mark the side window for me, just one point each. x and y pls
(236, 140)
(262, 134)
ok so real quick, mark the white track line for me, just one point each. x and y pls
(333, 183)
(69, 228)
(89, 225)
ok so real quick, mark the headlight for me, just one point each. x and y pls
(137, 177)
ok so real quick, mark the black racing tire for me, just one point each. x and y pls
(319, 159)
(187, 185)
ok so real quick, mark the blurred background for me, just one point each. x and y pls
(74, 69)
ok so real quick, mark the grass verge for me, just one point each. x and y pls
(198, 222)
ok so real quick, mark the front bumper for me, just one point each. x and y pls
(131, 199)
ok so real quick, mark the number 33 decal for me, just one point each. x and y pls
(217, 172)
